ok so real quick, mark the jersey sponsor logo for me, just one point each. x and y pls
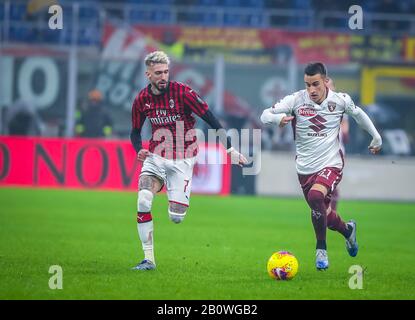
(165, 120)
(317, 123)
(161, 113)
(307, 112)
(316, 134)
(331, 105)
(148, 105)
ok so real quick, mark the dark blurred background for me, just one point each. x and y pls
(240, 55)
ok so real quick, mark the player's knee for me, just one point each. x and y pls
(145, 200)
(176, 217)
(315, 196)
(177, 212)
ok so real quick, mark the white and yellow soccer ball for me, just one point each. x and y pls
(282, 265)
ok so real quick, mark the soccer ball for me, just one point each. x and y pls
(282, 265)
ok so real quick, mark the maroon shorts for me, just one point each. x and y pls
(328, 177)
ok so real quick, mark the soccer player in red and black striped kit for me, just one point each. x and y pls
(169, 106)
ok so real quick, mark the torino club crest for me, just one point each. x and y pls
(331, 106)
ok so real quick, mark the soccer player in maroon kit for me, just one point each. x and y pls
(316, 113)
(169, 106)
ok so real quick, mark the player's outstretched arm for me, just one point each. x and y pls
(236, 157)
(267, 117)
(364, 122)
(284, 106)
(200, 107)
(285, 120)
(277, 114)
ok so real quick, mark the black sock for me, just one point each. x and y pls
(321, 244)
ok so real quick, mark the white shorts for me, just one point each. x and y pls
(176, 175)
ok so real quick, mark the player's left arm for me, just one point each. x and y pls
(364, 122)
(201, 108)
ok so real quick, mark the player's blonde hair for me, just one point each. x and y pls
(156, 57)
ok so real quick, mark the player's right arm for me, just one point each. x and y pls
(277, 114)
(137, 119)
(267, 117)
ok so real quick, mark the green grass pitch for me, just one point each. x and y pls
(220, 251)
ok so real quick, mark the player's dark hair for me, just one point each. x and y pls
(314, 68)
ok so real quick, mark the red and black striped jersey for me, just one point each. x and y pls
(171, 117)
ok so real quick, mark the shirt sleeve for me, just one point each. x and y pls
(285, 105)
(214, 123)
(268, 117)
(362, 119)
(349, 107)
(138, 119)
(137, 116)
(194, 102)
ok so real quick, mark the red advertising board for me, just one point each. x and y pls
(91, 163)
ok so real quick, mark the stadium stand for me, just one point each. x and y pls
(17, 25)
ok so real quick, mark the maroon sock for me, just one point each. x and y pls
(335, 222)
(334, 200)
(315, 200)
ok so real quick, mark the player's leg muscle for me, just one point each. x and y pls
(315, 199)
(150, 183)
(319, 187)
(177, 211)
(318, 193)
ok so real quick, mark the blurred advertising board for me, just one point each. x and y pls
(93, 164)
(264, 46)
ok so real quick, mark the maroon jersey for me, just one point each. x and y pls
(171, 118)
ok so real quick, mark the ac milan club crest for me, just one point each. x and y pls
(171, 103)
(331, 105)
